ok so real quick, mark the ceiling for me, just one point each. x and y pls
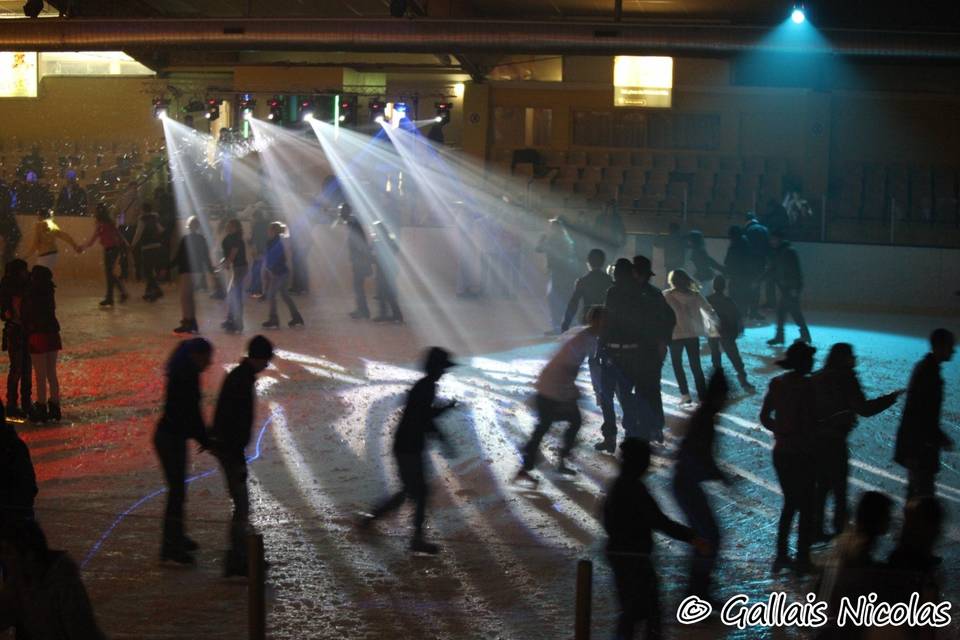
(893, 14)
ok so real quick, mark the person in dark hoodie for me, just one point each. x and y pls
(730, 328)
(13, 290)
(696, 464)
(784, 270)
(18, 482)
(410, 440)
(43, 337)
(630, 516)
(49, 601)
(738, 267)
(192, 258)
(181, 420)
(920, 438)
(229, 438)
(787, 411)
(839, 399)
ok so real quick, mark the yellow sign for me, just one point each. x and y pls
(18, 74)
(642, 81)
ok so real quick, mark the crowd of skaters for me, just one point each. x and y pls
(630, 326)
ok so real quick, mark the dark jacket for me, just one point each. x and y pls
(418, 418)
(637, 314)
(12, 293)
(72, 201)
(591, 289)
(39, 310)
(839, 400)
(919, 438)
(731, 322)
(18, 482)
(233, 418)
(193, 255)
(739, 262)
(704, 267)
(631, 515)
(55, 606)
(758, 237)
(787, 411)
(181, 407)
(784, 268)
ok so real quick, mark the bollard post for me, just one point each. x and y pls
(584, 600)
(256, 590)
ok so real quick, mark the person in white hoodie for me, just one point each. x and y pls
(695, 318)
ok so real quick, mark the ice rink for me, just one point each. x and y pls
(325, 418)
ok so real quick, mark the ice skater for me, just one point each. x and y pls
(113, 243)
(730, 328)
(696, 464)
(920, 438)
(43, 338)
(192, 258)
(276, 266)
(630, 516)
(409, 442)
(148, 244)
(784, 271)
(13, 291)
(839, 400)
(385, 252)
(694, 317)
(235, 261)
(230, 436)
(46, 235)
(787, 411)
(557, 395)
(181, 420)
(590, 291)
(361, 260)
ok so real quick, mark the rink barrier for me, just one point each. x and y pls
(256, 588)
(584, 602)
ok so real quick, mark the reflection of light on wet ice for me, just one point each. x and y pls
(379, 371)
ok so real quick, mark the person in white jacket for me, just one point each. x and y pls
(695, 318)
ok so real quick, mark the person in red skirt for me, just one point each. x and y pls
(43, 339)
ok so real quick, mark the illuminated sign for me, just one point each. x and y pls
(642, 81)
(18, 74)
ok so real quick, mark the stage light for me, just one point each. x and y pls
(308, 116)
(798, 16)
(213, 109)
(348, 110)
(443, 112)
(376, 108)
(305, 108)
(459, 89)
(276, 110)
(247, 105)
(160, 107)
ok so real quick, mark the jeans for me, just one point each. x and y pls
(790, 303)
(172, 451)
(410, 466)
(277, 285)
(796, 482)
(256, 277)
(616, 379)
(110, 256)
(832, 470)
(234, 466)
(548, 412)
(235, 297)
(359, 292)
(729, 346)
(19, 376)
(692, 347)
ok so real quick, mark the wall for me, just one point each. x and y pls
(79, 110)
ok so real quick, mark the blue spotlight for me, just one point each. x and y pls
(798, 16)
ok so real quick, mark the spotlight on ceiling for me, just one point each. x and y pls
(798, 16)
(160, 107)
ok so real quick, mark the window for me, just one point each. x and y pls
(90, 63)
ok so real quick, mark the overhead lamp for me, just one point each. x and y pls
(798, 15)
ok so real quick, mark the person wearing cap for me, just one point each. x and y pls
(72, 200)
(787, 411)
(229, 438)
(919, 437)
(361, 260)
(630, 516)
(784, 270)
(839, 400)
(410, 439)
(618, 344)
(557, 395)
(656, 321)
